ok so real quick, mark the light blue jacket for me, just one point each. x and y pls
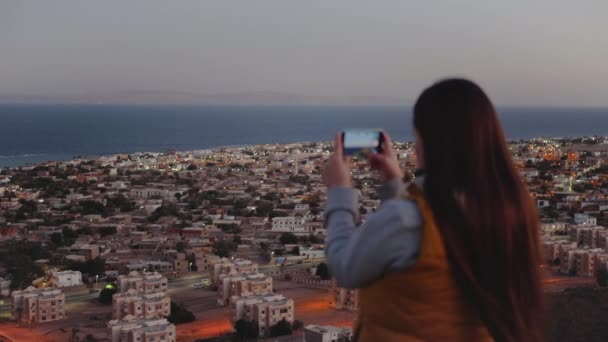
(388, 241)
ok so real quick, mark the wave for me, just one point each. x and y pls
(22, 155)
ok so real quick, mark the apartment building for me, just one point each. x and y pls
(242, 285)
(265, 310)
(204, 261)
(149, 266)
(132, 329)
(140, 304)
(589, 235)
(178, 259)
(143, 282)
(319, 333)
(237, 266)
(345, 299)
(290, 224)
(5, 287)
(585, 219)
(66, 278)
(34, 305)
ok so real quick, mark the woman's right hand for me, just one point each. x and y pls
(386, 162)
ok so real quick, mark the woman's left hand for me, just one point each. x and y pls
(337, 170)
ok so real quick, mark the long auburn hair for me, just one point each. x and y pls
(482, 207)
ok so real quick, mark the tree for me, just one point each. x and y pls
(91, 267)
(601, 276)
(246, 329)
(105, 231)
(282, 328)
(74, 336)
(57, 239)
(297, 325)
(105, 296)
(89, 207)
(224, 248)
(314, 239)
(295, 250)
(180, 246)
(288, 238)
(179, 314)
(323, 271)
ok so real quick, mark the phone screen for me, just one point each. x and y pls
(356, 141)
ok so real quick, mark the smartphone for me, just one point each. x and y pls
(356, 141)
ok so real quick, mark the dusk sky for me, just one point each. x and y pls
(550, 52)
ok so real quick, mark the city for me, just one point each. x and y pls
(187, 246)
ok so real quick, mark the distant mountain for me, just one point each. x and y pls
(186, 98)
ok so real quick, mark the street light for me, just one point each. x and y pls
(190, 267)
(96, 278)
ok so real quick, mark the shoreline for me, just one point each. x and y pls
(199, 150)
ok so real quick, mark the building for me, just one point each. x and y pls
(204, 261)
(131, 329)
(312, 253)
(178, 259)
(32, 305)
(5, 287)
(66, 278)
(265, 310)
(290, 224)
(346, 299)
(140, 304)
(237, 266)
(146, 282)
(149, 266)
(319, 333)
(242, 285)
(584, 219)
(89, 251)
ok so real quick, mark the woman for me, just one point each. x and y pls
(454, 255)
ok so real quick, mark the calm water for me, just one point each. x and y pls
(30, 134)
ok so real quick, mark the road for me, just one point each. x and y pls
(84, 312)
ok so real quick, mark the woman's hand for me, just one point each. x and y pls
(386, 163)
(337, 169)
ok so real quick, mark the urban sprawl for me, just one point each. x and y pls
(183, 246)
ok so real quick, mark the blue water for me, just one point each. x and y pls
(37, 133)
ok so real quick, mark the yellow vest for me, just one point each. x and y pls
(422, 303)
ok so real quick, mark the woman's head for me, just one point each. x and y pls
(459, 128)
(481, 205)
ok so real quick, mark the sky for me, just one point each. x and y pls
(546, 52)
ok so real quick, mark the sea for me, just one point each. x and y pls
(31, 134)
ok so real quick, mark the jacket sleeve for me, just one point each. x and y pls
(388, 241)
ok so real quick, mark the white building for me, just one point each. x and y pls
(242, 285)
(290, 224)
(237, 266)
(552, 227)
(584, 219)
(131, 329)
(146, 282)
(346, 299)
(139, 304)
(34, 305)
(5, 287)
(312, 253)
(319, 333)
(66, 278)
(265, 310)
